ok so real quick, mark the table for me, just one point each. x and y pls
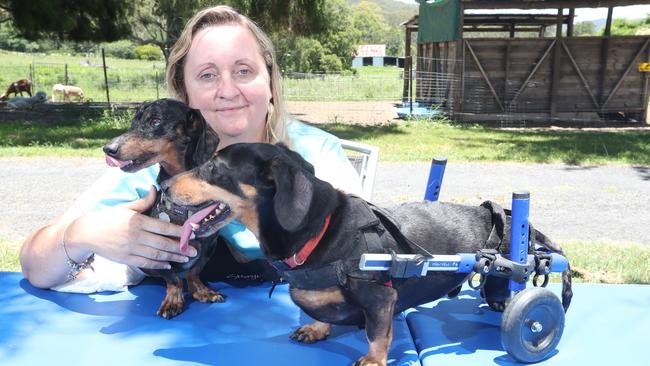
(43, 327)
(606, 324)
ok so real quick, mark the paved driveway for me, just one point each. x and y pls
(607, 203)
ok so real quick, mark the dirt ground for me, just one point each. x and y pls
(383, 112)
(361, 113)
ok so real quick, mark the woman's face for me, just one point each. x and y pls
(227, 80)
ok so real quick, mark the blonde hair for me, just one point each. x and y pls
(225, 15)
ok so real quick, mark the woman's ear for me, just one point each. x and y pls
(293, 194)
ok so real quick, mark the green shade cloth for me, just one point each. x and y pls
(438, 21)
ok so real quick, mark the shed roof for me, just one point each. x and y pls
(547, 4)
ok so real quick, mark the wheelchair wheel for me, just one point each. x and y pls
(532, 325)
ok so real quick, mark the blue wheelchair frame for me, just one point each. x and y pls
(533, 327)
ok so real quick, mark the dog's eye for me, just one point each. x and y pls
(155, 122)
(209, 167)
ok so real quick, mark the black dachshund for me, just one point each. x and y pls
(316, 234)
(177, 137)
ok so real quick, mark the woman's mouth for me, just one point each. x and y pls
(230, 109)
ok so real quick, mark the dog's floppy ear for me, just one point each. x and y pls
(293, 194)
(296, 157)
(206, 139)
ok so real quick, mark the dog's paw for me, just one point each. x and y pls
(367, 361)
(453, 293)
(208, 295)
(499, 306)
(169, 309)
(311, 333)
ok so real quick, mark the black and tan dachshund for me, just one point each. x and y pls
(170, 133)
(315, 235)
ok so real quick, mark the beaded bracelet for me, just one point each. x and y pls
(75, 267)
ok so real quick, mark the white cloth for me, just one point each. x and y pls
(106, 275)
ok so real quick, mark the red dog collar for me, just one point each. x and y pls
(302, 255)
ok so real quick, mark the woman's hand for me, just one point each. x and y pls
(123, 234)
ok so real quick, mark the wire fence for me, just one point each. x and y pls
(370, 96)
(134, 84)
(365, 98)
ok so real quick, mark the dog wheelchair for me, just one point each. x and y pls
(533, 320)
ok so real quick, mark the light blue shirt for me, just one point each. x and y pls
(321, 149)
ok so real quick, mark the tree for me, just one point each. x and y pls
(297, 17)
(373, 28)
(89, 20)
(624, 27)
(584, 29)
(340, 37)
(331, 50)
(160, 22)
(370, 23)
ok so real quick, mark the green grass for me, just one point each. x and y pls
(421, 140)
(370, 83)
(138, 80)
(598, 262)
(79, 138)
(9, 256)
(592, 262)
(409, 141)
(128, 80)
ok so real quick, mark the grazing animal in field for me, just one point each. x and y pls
(18, 87)
(67, 91)
(24, 102)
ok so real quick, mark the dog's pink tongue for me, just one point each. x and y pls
(111, 161)
(194, 219)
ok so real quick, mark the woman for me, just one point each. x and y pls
(225, 66)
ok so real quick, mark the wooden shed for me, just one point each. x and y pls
(536, 78)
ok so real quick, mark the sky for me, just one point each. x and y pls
(582, 14)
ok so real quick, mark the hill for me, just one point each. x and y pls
(395, 12)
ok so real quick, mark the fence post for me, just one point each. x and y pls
(156, 76)
(65, 74)
(108, 99)
(411, 86)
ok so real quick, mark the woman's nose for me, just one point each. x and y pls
(228, 88)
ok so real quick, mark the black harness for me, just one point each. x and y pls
(375, 226)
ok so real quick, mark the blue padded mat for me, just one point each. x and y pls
(605, 325)
(42, 327)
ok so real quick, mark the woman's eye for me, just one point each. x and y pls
(244, 72)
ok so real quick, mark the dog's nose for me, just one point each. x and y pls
(111, 149)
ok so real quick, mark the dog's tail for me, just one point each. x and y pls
(545, 242)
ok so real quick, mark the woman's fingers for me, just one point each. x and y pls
(125, 235)
(142, 262)
(160, 227)
(159, 247)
